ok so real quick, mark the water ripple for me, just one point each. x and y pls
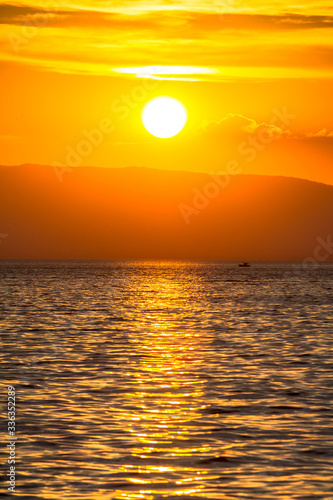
(156, 380)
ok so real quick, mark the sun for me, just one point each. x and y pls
(164, 117)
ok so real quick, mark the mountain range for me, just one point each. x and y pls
(139, 213)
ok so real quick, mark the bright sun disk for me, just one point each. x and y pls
(164, 117)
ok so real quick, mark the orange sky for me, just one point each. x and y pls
(242, 69)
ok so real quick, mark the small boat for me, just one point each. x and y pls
(244, 264)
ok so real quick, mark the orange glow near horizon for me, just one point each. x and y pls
(222, 60)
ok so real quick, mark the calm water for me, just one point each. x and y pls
(169, 380)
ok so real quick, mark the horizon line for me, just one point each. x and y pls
(200, 172)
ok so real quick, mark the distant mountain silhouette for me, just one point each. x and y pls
(139, 213)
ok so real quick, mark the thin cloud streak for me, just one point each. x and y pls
(19, 15)
(101, 40)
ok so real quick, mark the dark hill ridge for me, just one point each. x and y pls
(140, 213)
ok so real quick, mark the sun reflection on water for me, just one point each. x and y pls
(167, 407)
(169, 380)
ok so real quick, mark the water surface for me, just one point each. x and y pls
(154, 380)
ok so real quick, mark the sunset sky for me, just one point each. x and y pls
(246, 72)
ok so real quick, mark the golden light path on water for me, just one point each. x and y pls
(169, 397)
(169, 380)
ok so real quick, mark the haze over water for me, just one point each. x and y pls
(154, 380)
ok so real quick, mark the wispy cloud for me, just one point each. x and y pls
(321, 134)
(139, 6)
(168, 21)
(236, 127)
(168, 34)
(167, 72)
